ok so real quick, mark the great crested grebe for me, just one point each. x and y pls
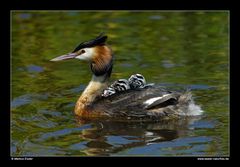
(124, 99)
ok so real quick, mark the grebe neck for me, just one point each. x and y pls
(92, 92)
(94, 88)
(101, 69)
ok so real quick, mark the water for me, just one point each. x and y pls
(174, 49)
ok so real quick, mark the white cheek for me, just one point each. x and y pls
(88, 55)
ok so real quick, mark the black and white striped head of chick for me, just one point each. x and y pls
(137, 81)
(120, 85)
(108, 92)
(117, 86)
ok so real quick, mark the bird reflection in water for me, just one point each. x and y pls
(110, 137)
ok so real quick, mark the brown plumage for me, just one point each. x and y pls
(102, 60)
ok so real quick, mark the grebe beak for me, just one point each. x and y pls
(65, 57)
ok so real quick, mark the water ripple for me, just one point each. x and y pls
(62, 132)
(188, 145)
(34, 68)
(26, 99)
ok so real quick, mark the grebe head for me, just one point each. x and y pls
(94, 51)
(137, 81)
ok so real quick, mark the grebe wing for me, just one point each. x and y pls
(147, 97)
(137, 103)
(158, 100)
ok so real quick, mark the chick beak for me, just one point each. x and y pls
(65, 57)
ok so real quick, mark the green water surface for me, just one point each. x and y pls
(171, 48)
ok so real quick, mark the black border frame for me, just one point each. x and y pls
(117, 5)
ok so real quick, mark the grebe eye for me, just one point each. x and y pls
(82, 51)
